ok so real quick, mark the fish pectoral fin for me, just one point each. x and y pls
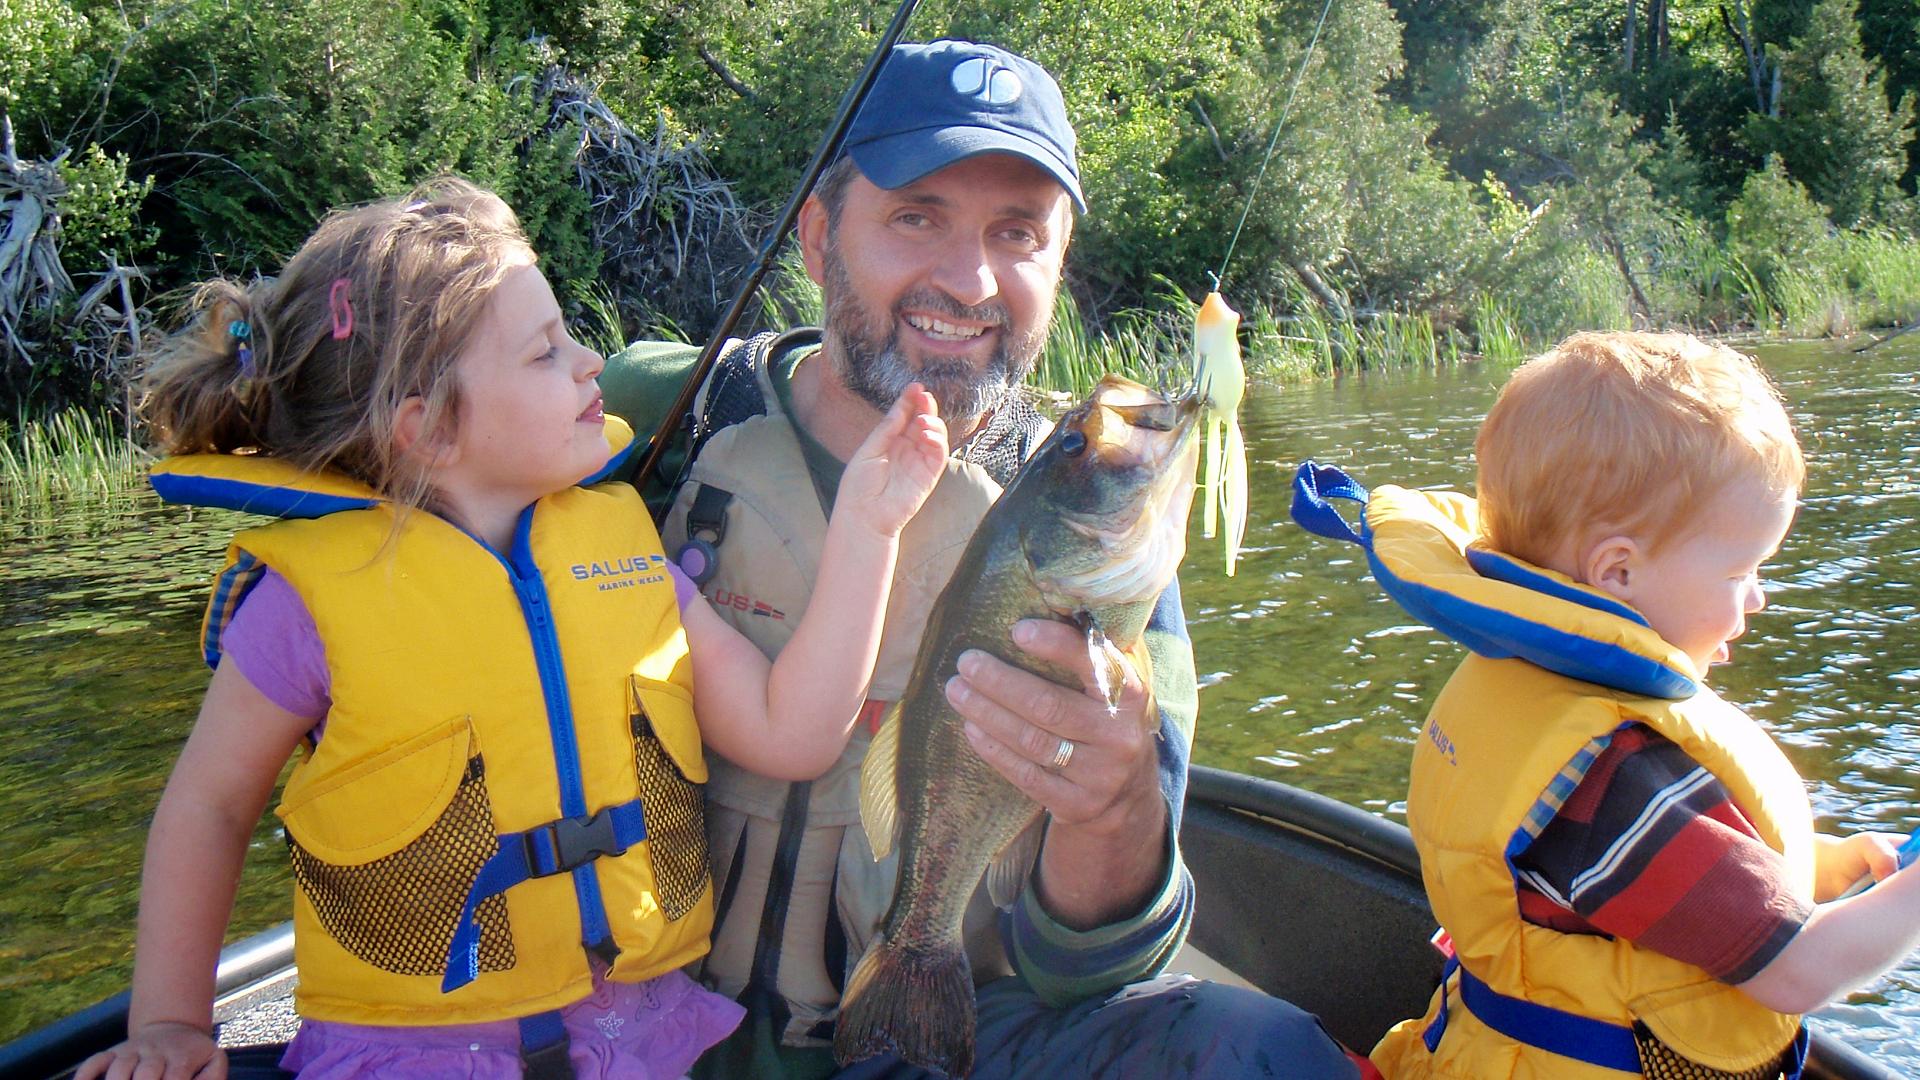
(1007, 873)
(879, 786)
(1142, 656)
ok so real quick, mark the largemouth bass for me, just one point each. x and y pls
(1091, 530)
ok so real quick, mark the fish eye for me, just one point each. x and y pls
(1073, 443)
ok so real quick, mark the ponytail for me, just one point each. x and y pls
(200, 389)
(312, 367)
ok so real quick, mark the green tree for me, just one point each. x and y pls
(1775, 225)
(1836, 129)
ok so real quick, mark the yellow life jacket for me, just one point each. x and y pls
(508, 779)
(1556, 668)
(801, 892)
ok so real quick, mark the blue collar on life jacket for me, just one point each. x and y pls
(1422, 547)
(257, 484)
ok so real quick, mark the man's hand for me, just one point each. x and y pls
(1106, 850)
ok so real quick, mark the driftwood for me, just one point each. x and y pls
(1907, 329)
(671, 235)
(1321, 290)
(96, 332)
(32, 281)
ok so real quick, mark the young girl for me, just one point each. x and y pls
(497, 827)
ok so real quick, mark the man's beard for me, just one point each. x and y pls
(875, 368)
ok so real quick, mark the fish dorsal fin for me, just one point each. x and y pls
(879, 786)
(1007, 873)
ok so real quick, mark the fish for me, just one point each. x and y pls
(1090, 531)
(1222, 381)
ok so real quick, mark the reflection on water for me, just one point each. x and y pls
(1311, 676)
(1308, 674)
(99, 615)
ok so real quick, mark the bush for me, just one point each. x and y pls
(1774, 225)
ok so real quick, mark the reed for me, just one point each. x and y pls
(1498, 332)
(71, 454)
(1882, 273)
(1137, 344)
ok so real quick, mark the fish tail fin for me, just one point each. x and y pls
(918, 1003)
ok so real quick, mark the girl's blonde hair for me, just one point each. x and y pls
(373, 309)
(1631, 433)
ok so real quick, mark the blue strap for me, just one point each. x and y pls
(553, 848)
(544, 1047)
(1797, 1056)
(1596, 1042)
(1582, 1038)
(1439, 1025)
(1313, 485)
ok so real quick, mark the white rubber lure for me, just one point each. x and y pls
(1222, 381)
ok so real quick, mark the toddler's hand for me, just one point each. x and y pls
(893, 471)
(1849, 865)
(164, 1050)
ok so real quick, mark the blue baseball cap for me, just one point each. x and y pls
(943, 101)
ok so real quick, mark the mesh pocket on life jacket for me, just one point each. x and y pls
(398, 912)
(1662, 1062)
(676, 821)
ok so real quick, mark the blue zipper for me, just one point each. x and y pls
(530, 590)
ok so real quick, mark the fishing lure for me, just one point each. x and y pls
(1222, 381)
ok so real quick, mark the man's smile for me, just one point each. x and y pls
(942, 330)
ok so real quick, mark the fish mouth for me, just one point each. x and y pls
(1131, 426)
(1144, 448)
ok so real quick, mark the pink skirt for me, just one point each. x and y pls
(643, 1031)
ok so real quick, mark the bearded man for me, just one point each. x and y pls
(938, 241)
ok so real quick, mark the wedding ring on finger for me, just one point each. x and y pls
(1061, 756)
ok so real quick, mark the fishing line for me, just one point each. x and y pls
(1271, 143)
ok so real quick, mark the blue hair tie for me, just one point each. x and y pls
(240, 330)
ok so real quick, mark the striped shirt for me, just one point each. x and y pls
(1648, 846)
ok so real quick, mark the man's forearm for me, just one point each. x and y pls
(1094, 875)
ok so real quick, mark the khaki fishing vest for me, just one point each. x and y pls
(795, 939)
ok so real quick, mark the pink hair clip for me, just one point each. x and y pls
(342, 309)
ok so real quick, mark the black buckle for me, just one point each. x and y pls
(573, 841)
(549, 1062)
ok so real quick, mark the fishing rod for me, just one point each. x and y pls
(822, 157)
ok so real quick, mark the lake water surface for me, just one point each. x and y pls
(1308, 674)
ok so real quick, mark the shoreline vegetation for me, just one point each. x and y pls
(1472, 179)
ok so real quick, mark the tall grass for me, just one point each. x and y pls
(1137, 344)
(1498, 331)
(1882, 271)
(1301, 341)
(69, 454)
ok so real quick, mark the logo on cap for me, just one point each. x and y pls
(981, 77)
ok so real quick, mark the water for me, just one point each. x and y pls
(1308, 674)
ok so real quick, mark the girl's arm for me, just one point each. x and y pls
(1845, 943)
(789, 719)
(195, 848)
